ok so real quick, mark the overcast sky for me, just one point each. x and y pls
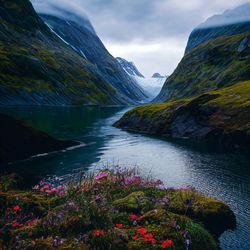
(151, 33)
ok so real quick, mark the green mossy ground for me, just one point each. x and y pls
(109, 211)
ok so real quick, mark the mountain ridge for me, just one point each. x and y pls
(39, 68)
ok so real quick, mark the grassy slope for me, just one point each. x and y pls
(212, 65)
(35, 60)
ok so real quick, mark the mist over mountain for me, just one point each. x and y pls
(239, 14)
(235, 21)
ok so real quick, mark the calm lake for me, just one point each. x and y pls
(221, 175)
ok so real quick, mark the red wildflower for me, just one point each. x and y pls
(41, 190)
(119, 225)
(98, 232)
(140, 218)
(46, 186)
(142, 230)
(149, 238)
(17, 208)
(167, 243)
(133, 217)
(30, 234)
(15, 224)
(136, 237)
(31, 222)
(48, 191)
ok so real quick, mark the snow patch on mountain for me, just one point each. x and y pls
(129, 67)
(151, 84)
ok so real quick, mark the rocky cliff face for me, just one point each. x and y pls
(231, 22)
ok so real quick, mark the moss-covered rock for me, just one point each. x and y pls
(143, 216)
(215, 215)
(134, 202)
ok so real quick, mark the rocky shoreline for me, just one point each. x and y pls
(217, 117)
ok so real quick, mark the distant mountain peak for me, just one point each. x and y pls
(129, 67)
(158, 75)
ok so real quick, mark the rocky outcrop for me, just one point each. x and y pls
(18, 141)
(222, 116)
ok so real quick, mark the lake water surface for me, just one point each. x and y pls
(221, 175)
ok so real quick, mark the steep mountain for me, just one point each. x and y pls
(129, 67)
(39, 68)
(79, 34)
(152, 85)
(207, 96)
(231, 22)
(213, 64)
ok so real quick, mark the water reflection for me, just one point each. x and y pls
(222, 175)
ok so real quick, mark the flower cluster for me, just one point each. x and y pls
(106, 210)
(50, 188)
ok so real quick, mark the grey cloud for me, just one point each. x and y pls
(148, 20)
(143, 22)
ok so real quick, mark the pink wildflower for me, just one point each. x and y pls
(101, 175)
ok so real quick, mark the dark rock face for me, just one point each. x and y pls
(80, 36)
(19, 141)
